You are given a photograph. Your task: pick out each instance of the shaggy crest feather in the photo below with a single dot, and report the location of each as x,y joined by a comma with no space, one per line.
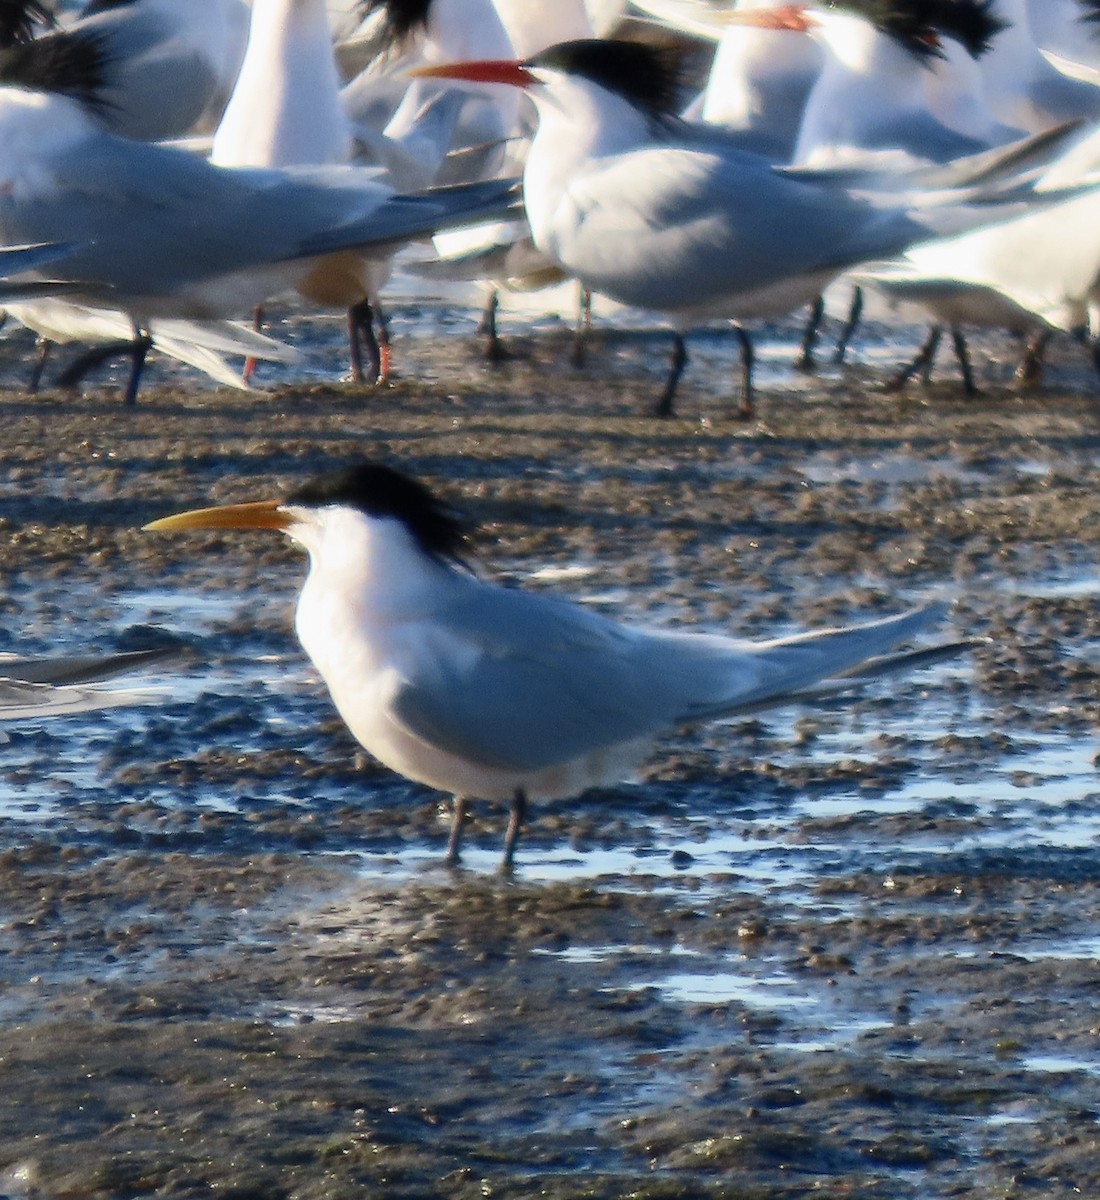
68,64
646,76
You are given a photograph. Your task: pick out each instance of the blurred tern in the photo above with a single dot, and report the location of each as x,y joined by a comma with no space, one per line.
871,95
1035,273
199,344
1021,85
493,693
669,216
158,232
32,687
173,62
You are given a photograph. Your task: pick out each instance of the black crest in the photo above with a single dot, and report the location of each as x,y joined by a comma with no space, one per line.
69,64
919,24
646,76
18,19
1090,11
380,491
401,18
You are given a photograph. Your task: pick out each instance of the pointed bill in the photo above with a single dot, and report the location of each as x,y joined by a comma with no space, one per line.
489,70
792,18
262,514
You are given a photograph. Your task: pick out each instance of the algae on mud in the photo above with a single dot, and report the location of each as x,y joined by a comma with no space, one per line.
849,952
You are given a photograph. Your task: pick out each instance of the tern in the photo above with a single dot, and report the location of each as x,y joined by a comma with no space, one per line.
173,62
494,693
158,232
666,215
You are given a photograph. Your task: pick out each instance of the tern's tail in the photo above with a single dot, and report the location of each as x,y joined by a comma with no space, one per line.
827,662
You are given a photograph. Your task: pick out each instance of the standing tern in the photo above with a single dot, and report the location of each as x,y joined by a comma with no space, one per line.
1034,273
493,693
669,216
158,232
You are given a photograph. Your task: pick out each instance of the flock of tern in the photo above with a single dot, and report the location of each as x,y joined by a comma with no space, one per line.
168,167
186,163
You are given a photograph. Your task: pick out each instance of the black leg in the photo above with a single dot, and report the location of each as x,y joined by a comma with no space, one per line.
458,820
494,347
926,356
137,348
679,361
44,345
805,359
515,823
855,313
142,344
360,333
746,410
962,353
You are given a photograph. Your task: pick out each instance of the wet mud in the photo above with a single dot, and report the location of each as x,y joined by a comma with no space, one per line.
851,951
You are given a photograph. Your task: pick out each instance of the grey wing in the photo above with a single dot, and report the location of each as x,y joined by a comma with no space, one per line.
524,682
696,227
146,219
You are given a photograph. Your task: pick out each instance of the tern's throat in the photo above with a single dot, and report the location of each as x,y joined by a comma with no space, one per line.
366,575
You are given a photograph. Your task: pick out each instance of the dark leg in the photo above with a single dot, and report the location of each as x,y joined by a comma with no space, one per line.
137,349
494,347
1029,374
746,410
458,820
360,333
584,327
142,344
679,361
855,313
44,345
515,823
926,356
805,359
249,368
962,353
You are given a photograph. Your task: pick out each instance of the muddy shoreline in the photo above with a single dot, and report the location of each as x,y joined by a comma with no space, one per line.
853,952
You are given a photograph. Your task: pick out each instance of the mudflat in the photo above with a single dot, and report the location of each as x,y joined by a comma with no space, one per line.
853,951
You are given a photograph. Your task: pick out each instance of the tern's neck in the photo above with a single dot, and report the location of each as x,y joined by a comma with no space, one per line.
533,25
33,127
866,75
371,571
760,78
461,30
579,121
285,109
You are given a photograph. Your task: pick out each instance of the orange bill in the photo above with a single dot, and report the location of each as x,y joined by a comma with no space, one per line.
795,18
495,70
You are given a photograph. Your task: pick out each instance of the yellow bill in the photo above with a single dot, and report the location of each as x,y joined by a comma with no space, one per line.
262,514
